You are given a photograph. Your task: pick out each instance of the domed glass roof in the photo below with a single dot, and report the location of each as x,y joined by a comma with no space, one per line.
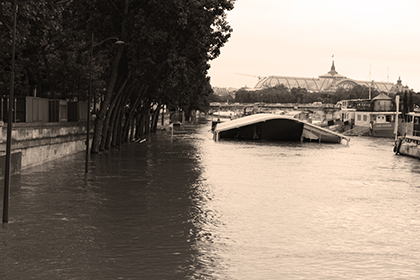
311,84
326,82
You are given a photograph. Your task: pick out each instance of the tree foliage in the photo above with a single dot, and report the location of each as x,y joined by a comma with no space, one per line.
281,94
163,60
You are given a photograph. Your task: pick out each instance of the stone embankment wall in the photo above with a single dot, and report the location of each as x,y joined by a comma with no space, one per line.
36,143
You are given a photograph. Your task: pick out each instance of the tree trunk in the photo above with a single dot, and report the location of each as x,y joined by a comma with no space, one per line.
126,126
109,112
110,131
132,131
143,122
139,127
119,131
147,121
100,118
115,133
155,118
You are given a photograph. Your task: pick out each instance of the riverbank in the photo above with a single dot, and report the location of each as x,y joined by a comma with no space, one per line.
37,143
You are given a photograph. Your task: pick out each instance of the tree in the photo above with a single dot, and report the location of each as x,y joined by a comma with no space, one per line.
38,57
164,59
410,102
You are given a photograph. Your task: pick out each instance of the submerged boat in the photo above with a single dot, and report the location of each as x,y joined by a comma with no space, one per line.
275,128
409,144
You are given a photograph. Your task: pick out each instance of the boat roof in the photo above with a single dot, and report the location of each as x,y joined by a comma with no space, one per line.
382,113
382,96
248,120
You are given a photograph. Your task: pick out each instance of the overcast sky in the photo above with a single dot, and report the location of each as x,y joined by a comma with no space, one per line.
369,39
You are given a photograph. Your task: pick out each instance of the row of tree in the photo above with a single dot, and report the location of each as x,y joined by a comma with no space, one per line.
161,57
281,94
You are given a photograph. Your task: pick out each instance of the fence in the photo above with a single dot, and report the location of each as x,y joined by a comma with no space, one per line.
35,109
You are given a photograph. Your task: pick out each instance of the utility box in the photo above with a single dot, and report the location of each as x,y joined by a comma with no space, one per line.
58,110
31,109
5,109
77,111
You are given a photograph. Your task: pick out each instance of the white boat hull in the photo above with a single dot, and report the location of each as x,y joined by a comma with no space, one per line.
408,146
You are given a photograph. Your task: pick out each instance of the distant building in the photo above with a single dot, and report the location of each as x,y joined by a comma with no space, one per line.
398,87
328,82
224,91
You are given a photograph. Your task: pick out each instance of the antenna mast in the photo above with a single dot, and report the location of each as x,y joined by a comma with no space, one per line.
370,84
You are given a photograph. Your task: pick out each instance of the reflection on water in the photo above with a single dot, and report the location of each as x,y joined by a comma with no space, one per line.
186,207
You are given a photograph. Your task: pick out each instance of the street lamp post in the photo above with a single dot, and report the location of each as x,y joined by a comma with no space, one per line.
7,169
92,45
9,124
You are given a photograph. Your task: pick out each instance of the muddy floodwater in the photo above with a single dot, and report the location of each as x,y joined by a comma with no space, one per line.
182,206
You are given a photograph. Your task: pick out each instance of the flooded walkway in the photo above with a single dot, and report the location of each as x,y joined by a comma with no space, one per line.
187,207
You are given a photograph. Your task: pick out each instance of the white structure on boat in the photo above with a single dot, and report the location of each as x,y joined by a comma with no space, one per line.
378,115
409,143
274,128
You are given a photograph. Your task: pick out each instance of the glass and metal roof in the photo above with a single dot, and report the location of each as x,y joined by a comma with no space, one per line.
326,82
311,84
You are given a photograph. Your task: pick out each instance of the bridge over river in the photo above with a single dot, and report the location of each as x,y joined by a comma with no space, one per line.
320,111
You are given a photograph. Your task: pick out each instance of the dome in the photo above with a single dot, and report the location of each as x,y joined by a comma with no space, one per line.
310,84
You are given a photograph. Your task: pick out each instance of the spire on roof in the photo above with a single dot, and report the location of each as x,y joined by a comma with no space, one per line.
332,71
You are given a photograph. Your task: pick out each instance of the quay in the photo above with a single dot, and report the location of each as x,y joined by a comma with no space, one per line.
36,143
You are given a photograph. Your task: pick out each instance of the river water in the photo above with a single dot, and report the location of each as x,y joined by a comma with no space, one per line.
186,207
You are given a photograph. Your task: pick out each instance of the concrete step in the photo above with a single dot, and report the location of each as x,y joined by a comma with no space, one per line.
357,131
